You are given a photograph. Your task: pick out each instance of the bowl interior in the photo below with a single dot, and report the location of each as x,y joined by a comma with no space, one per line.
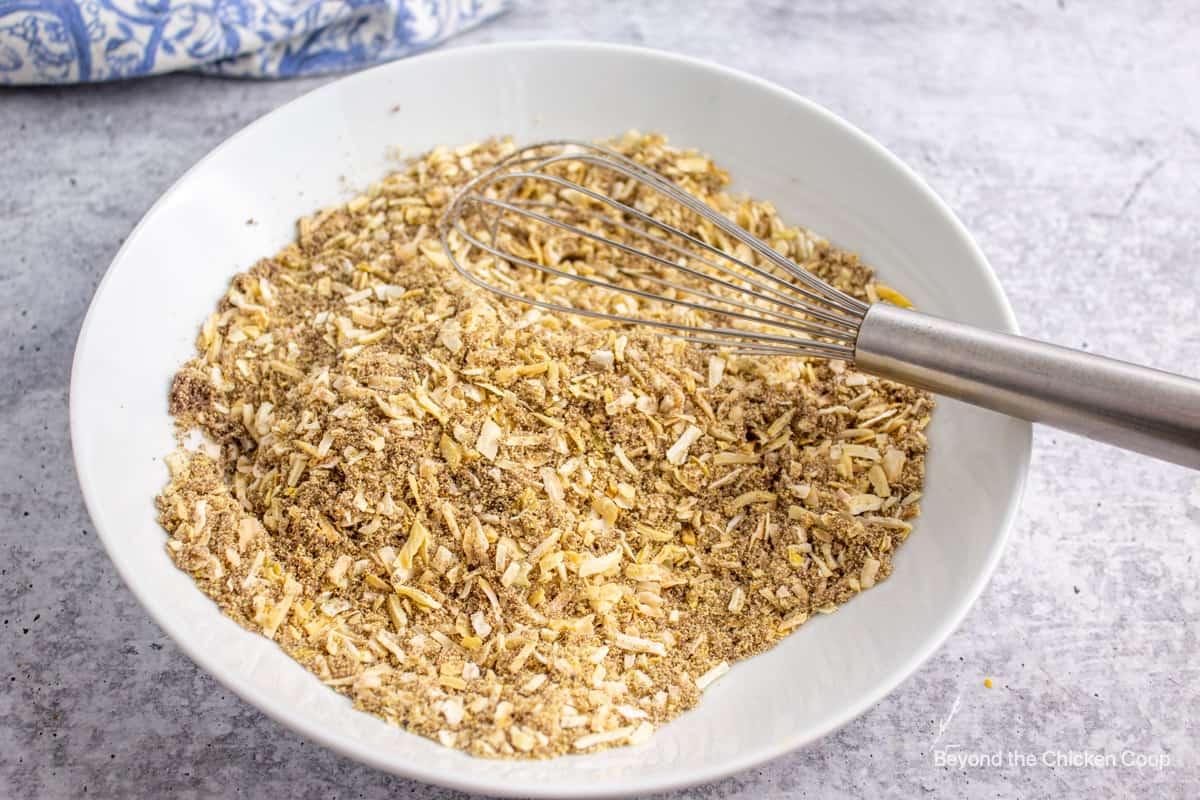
817,170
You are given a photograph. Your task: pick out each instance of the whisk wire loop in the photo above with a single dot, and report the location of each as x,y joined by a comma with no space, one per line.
775,309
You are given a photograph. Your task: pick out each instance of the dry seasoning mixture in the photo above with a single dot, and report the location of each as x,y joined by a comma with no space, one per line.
517,533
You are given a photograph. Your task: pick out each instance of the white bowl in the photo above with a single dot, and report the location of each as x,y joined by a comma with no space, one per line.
818,170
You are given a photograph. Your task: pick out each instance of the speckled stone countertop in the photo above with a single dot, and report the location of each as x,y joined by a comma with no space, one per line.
1067,138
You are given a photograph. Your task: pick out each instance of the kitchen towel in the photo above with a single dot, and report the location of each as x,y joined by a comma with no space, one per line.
77,41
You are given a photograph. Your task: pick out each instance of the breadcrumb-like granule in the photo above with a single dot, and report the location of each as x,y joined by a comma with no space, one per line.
517,533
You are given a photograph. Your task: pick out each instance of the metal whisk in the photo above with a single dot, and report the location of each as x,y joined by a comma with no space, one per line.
529,226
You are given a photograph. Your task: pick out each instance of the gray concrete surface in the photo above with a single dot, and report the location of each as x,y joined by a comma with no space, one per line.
1066,136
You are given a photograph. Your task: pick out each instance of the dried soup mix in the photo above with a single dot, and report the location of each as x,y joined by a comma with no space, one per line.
517,533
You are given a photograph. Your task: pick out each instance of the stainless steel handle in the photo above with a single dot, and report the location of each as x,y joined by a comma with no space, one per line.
1137,408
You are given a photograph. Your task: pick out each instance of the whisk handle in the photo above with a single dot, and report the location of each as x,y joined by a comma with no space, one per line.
1146,410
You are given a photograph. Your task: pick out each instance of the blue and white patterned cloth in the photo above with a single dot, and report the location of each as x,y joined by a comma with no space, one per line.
76,41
